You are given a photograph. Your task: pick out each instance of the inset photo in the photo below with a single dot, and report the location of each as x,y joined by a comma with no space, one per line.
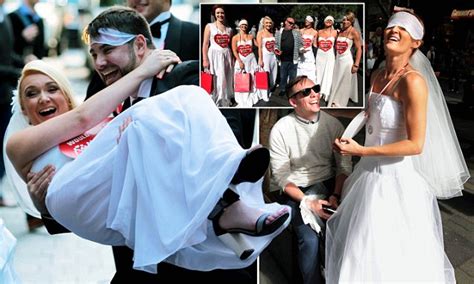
250,53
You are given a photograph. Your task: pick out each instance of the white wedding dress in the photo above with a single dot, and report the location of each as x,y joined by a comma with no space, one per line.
154,189
388,226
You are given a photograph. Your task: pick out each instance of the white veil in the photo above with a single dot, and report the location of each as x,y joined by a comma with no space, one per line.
18,121
441,162
358,28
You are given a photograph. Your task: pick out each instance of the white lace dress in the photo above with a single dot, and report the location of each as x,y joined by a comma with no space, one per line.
220,65
154,189
344,82
306,62
270,64
325,59
245,51
388,227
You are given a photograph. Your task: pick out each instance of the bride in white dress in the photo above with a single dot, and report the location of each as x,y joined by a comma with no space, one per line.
388,226
152,177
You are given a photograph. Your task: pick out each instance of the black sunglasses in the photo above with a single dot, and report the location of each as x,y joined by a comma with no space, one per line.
291,23
306,92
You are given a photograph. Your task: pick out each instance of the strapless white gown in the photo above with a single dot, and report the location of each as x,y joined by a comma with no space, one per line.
388,227
154,189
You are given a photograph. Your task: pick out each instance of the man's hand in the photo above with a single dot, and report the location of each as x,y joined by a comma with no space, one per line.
38,187
30,32
317,208
333,202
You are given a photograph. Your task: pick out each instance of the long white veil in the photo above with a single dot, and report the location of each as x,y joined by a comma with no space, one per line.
441,162
18,121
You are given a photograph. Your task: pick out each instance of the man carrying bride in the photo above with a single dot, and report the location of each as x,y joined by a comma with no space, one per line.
154,186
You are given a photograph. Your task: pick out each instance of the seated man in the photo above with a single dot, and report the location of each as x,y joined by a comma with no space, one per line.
303,164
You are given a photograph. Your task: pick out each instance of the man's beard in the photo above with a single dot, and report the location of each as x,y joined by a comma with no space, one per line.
132,60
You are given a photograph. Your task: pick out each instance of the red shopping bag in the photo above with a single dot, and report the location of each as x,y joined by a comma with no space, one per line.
242,82
206,81
261,80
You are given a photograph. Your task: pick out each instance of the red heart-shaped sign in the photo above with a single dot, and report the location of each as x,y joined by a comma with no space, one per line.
73,147
244,49
341,46
222,40
307,42
270,45
325,45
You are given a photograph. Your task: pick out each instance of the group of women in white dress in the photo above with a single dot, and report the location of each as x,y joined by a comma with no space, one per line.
219,44
333,68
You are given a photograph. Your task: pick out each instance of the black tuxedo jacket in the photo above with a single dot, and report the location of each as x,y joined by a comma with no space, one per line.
183,38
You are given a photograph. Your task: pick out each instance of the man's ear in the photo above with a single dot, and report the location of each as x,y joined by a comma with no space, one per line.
140,45
292,101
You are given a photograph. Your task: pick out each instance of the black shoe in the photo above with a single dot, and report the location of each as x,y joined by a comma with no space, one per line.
34,223
253,166
234,241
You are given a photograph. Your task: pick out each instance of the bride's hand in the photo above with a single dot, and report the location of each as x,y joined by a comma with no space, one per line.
124,126
158,62
347,146
37,185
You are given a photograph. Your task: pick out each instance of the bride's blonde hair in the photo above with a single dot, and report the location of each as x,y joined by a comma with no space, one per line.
39,66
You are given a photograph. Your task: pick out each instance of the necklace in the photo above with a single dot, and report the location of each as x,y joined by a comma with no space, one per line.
345,33
399,72
393,78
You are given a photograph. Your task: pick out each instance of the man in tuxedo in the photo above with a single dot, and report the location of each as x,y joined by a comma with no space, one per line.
168,31
115,53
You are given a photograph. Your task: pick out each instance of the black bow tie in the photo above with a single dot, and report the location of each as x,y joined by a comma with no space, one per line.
156,28
137,100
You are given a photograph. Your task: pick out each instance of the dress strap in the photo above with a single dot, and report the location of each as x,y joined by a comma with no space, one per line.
372,85
401,77
386,85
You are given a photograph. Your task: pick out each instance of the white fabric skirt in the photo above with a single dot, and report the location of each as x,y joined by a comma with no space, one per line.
344,82
154,189
388,228
324,70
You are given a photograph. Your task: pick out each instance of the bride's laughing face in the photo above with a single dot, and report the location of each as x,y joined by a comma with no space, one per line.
397,40
41,98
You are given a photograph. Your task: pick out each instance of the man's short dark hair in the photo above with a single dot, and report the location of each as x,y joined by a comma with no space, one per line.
123,19
293,82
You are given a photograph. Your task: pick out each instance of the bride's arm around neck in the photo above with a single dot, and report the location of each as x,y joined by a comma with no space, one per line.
26,145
